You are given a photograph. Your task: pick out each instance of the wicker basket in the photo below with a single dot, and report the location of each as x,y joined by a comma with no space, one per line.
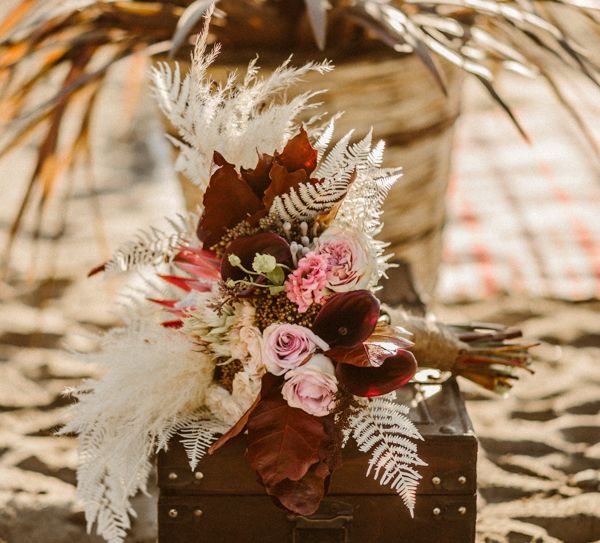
399,98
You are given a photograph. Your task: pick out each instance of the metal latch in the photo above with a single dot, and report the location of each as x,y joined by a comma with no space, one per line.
330,524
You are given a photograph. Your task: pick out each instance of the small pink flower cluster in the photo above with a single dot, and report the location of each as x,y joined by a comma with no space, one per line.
342,262
310,383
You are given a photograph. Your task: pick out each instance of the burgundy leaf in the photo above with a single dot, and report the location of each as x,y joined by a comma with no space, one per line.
269,382
298,154
282,181
395,372
246,248
304,496
227,202
347,319
283,442
258,178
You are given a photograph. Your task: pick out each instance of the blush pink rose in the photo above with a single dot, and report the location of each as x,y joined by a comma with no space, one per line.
350,262
287,346
306,284
312,387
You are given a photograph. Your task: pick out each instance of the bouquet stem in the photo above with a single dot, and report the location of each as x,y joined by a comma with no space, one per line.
481,352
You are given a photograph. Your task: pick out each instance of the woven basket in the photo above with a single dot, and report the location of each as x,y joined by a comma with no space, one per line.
398,97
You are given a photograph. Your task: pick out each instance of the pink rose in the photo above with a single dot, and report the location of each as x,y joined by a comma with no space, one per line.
350,262
312,387
306,284
287,346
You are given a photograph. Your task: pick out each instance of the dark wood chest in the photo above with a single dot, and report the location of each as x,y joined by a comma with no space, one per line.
223,501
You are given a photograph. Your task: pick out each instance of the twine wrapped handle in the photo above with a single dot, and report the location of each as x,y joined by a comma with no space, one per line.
480,352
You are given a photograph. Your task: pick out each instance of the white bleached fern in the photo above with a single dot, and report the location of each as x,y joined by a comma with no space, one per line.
197,432
152,379
236,118
382,428
155,246
340,168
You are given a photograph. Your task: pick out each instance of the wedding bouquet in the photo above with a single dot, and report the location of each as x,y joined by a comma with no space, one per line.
267,322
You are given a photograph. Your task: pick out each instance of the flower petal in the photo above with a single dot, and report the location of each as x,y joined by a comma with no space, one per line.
347,319
395,372
246,248
372,353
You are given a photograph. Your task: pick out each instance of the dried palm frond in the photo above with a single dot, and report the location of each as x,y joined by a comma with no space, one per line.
79,41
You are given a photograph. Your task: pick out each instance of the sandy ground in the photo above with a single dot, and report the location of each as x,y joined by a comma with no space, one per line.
539,462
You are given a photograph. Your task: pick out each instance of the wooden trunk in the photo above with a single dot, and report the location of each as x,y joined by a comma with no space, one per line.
223,501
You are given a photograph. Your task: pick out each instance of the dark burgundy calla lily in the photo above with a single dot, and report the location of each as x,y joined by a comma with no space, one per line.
246,248
347,319
368,382
370,354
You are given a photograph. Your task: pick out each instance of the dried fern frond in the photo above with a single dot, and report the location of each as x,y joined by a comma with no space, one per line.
382,428
238,118
152,247
198,434
121,423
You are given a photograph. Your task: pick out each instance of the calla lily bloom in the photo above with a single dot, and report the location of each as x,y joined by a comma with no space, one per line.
246,248
370,360
368,382
347,319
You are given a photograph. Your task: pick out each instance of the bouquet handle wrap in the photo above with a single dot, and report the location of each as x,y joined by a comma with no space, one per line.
434,345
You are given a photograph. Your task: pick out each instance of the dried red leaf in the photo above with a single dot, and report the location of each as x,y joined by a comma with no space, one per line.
227,202
298,154
246,248
304,496
282,181
347,319
258,178
97,269
283,442
368,382
269,382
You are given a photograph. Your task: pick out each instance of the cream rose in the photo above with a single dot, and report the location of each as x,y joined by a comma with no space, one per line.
286,346
350,261
312,387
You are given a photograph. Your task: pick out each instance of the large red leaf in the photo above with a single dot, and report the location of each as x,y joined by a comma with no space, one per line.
269,382
283,442
258,178
227,202
282,181
347,319
298,154
304,496
395,372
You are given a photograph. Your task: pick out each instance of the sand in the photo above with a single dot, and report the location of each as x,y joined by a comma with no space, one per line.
539,461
